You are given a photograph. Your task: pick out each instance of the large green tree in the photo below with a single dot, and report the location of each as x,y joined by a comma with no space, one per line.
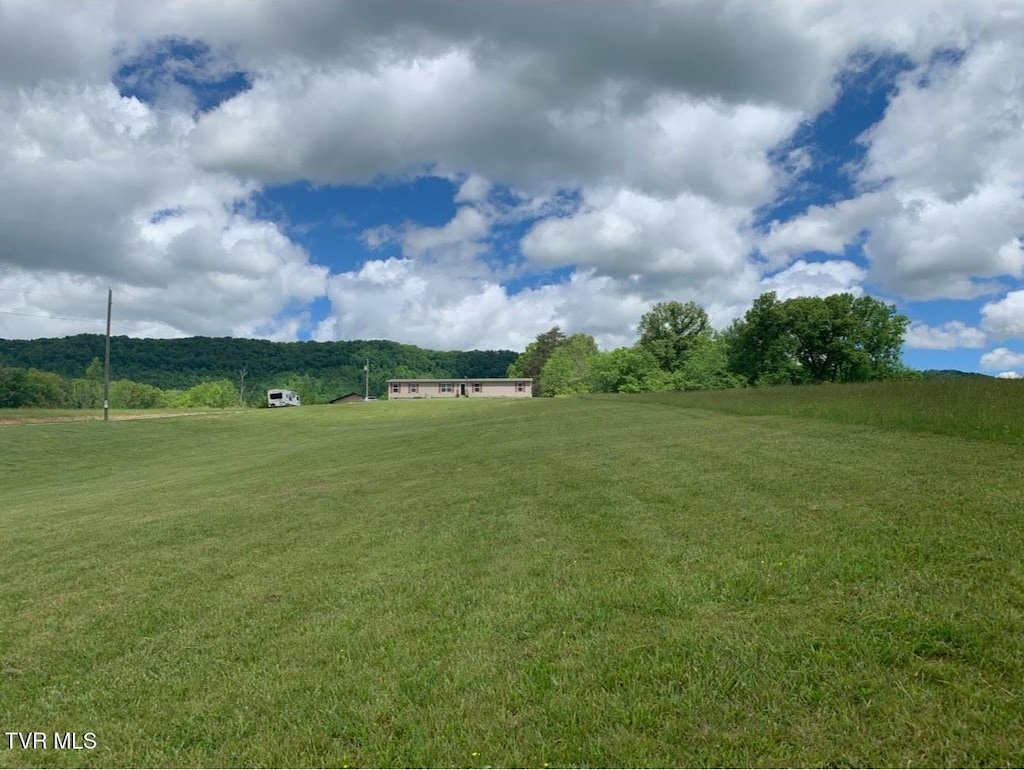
707,365
530,362
627,370
839,338
29,387
125,394
567,369
45,389
14,387
95,372
215,393
760,346
670,331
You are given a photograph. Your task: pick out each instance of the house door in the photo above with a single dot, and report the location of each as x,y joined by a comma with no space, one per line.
462,389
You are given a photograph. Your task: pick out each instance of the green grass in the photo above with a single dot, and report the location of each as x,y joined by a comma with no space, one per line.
601,581
34,415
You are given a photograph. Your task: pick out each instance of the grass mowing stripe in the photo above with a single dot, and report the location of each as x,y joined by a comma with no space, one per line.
577,582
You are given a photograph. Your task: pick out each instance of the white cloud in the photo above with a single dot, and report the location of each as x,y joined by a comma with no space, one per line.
951,335
460,238
473,189
1002,358
825,228
932,248
1005,318
1010,376
709,48
423,304
38,44
940,214
686,241
959,179
978,138
447,115
459,241
816,279
98,192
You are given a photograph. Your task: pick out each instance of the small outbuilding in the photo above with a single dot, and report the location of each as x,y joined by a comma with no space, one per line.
484,387
348,398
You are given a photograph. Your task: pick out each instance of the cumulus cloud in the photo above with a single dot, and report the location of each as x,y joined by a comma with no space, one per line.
38,45
473,189
949,336
932,249
445,114
687,240
461,238
1005,318
938,210
978,137
98,192
419,303
1002,358
959,179
828,229
817,279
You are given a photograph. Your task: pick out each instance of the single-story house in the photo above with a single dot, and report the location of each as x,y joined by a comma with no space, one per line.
481,387
348,398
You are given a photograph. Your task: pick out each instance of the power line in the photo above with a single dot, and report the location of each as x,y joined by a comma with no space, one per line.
119,325
53,317
131,329
46,294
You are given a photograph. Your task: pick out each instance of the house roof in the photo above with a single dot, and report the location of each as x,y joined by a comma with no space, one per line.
462,379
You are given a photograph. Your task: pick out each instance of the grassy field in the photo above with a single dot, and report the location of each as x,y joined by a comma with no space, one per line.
759,578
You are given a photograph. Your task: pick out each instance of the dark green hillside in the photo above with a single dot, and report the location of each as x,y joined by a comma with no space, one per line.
181,363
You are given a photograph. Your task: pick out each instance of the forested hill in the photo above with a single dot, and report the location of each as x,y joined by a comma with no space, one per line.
182,363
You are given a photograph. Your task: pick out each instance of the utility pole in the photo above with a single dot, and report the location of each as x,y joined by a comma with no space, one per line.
366,369
106,361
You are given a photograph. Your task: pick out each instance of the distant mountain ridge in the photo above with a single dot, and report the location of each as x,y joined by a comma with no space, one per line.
952,374
184,362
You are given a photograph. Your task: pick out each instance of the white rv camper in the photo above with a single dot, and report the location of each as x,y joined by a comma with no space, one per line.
280,397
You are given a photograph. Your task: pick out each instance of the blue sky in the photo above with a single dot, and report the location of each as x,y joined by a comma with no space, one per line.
467,175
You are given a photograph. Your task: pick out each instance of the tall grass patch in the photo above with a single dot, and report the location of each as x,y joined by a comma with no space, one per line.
990,409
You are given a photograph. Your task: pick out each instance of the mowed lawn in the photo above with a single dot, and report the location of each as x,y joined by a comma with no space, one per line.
595,581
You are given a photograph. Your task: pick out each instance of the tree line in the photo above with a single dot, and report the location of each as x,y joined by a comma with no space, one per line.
224,371
839,338
184,362
35,388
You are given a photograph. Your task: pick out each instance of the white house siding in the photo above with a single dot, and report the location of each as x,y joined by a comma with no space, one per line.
481,388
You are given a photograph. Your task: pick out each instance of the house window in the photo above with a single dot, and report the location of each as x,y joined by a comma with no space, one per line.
520,387
396,387
446,387
477,387
414,387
